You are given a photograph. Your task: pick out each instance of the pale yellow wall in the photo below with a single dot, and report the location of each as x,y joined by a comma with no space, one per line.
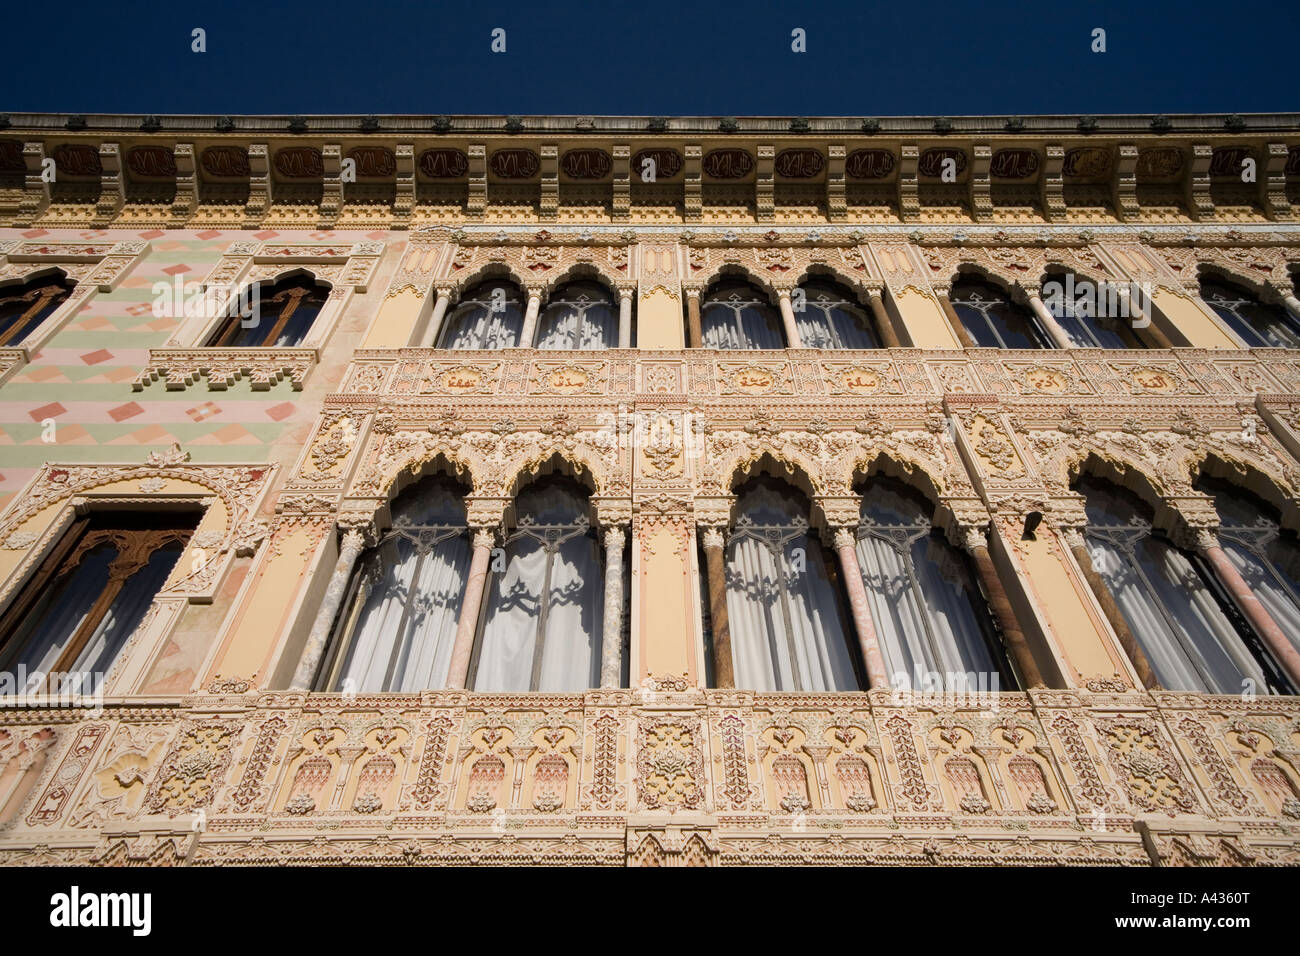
396,321
924,319
660,322
1191,320
667,634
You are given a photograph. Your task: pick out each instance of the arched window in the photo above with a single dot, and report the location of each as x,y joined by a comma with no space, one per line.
1264,554
735,315
832,319
1175,608
541,627
1101,319
91,593
279,315
788,627
934,628
397,625
25,306
992,319
1259,325
580,315
489,316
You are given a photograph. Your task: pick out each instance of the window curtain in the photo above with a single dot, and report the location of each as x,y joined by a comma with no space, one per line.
492,317
580,316
830,320
740,318
401,622
1260,325
542,630
787,627
930,619
1166,600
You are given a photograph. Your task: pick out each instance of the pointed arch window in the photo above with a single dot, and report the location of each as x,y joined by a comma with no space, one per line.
1266,555
541,625
1259,325
933,625
832,319
1188,629
281,315
91,593
581,315
397,625
1079,317
489,316
735,315
23,307
789,630
992,319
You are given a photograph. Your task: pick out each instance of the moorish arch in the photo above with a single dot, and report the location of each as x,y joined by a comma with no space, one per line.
738,272
441,461
903,464
545,463
498,270
592,271
1258,480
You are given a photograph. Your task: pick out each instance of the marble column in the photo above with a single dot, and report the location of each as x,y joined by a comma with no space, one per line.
958,326
884,325
430,339
977,544
1049,323
693,334
792,340
349,550
1127,640
529,331
625,319
611,649
466,626
1284,652
1292,304
846,543
715,559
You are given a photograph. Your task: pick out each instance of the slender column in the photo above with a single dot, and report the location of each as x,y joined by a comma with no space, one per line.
467,624
1207,543
884,325
846,547
1000,605
723,674
792,339
1127,639
435,320
611,651
309,663
693,327
1053,328
625,319
1292,304
958,327
530,320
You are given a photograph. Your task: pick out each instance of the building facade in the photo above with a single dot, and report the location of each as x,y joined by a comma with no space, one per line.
424,490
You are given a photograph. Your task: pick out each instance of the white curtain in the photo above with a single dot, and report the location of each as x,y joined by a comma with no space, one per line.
830,321
485,321
553,584
740,321
787,631
1190,642
580,317
1271,568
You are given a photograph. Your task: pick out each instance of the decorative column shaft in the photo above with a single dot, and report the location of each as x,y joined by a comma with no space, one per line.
430,339
463,646
529,331
958,326
884,325
625,319
792,339
693,327
1050,325
1292,304
846,547
349,549
723,673
1127,639
611,651
1000,605
1283,650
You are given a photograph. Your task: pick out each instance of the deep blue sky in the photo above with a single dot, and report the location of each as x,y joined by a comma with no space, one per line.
653,57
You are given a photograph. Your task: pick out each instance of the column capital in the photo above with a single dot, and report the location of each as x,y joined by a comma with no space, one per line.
693,289
1073,537
615,535
626,290
973,537
713,537
844,537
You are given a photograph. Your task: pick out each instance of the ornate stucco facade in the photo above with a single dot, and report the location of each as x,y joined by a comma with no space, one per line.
294,454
